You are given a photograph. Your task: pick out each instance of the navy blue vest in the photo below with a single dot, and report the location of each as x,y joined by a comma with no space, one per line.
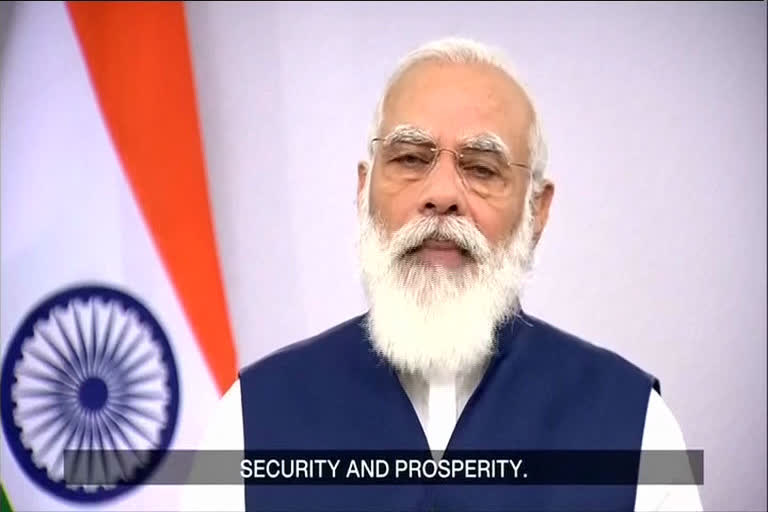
544,390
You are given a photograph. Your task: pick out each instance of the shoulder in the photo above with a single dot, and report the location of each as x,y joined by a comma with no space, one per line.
315,352
570,352
662,430
225,428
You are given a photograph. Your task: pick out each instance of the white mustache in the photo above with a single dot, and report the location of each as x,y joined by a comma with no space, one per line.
449,228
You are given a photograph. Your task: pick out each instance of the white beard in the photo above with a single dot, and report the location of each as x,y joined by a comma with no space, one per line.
429,319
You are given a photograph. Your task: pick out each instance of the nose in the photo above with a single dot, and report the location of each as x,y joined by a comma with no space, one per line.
443,192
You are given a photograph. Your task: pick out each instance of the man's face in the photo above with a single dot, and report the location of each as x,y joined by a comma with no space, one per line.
453,104
445,250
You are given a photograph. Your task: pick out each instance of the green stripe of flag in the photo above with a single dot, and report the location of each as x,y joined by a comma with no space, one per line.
5,504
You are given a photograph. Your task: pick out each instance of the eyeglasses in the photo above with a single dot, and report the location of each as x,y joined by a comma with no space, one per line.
488,172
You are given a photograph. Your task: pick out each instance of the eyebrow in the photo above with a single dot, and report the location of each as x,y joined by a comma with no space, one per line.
486,141
409,134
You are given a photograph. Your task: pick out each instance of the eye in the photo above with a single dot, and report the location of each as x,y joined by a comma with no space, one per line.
412,160
482,172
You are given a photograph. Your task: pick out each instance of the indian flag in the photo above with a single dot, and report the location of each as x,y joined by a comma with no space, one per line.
113,322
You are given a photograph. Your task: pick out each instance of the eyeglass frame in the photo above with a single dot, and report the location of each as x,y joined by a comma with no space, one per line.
457,155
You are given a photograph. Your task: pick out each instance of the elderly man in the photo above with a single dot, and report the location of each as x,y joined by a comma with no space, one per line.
452,202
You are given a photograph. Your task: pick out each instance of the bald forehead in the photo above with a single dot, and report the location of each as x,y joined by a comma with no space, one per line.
458,101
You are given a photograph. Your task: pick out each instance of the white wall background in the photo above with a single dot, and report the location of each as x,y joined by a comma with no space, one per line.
656,245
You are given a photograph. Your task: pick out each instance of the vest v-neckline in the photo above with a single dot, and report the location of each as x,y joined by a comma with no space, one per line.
504,337
412,425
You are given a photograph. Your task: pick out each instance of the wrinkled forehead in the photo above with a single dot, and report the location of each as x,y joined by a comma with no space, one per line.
455,103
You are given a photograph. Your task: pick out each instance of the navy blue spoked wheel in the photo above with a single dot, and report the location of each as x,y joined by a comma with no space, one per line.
89,369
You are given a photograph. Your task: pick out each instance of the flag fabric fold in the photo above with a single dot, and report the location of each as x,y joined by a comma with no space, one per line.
114,322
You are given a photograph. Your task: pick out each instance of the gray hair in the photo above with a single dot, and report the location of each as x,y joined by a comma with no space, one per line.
466,51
